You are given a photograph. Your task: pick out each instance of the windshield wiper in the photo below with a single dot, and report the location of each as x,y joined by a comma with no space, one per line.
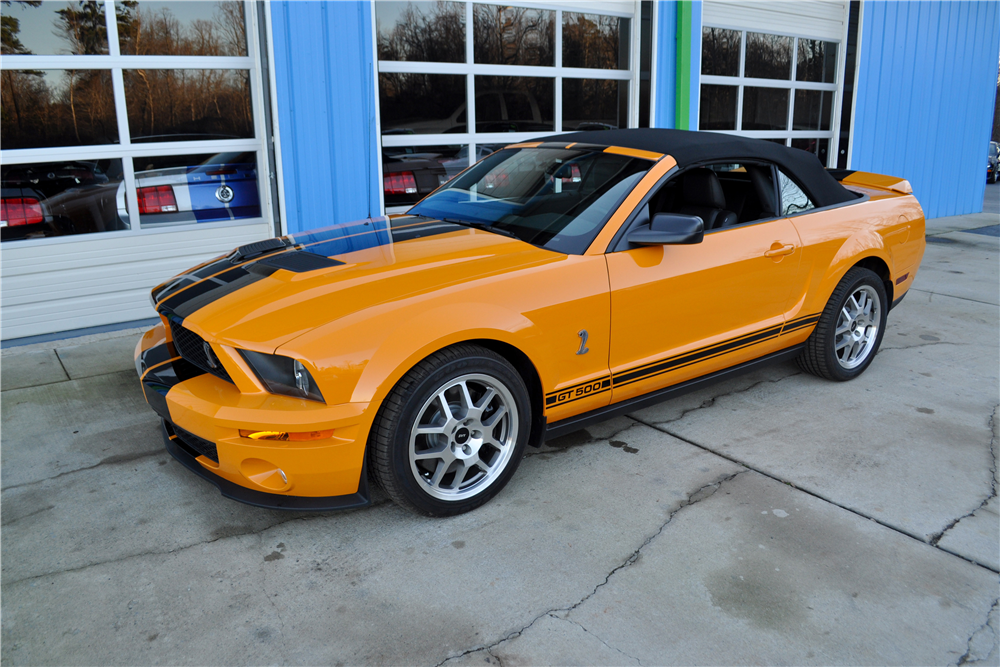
482,226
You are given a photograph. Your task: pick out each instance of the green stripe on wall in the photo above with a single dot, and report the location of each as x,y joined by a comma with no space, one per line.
683,106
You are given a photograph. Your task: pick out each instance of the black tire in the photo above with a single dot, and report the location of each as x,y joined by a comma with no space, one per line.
418,394
820,356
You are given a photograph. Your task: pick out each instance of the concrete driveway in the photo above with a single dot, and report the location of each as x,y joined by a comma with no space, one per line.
776,518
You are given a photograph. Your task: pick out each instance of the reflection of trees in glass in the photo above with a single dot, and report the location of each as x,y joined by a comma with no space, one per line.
426,35
793,199
817,61
513,35
188,102
144,31
593,40
57,108
10,27
720,52
768,56
421,103
717,109
594,101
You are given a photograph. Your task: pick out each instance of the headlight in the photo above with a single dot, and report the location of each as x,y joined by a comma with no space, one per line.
283,375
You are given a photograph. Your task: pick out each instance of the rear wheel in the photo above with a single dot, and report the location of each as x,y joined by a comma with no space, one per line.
452,432
850,330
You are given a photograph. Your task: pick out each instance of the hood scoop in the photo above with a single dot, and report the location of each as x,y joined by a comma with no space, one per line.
251,250
296,261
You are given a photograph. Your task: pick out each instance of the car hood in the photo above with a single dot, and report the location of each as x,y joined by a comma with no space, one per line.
264,301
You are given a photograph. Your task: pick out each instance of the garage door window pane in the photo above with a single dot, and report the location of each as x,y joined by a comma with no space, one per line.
819,147
194,28
768,56
594,104
595,41
422,103
54,28
515,104
817,61
62,198
513,35
717,109
812,109
765,108
720,52
188,104
46,108
423,32
181,189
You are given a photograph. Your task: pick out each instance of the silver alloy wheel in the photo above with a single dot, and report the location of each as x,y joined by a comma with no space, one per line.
857,327
463,437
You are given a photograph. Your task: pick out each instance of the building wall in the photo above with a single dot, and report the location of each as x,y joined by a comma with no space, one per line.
927,76
678,63
325,87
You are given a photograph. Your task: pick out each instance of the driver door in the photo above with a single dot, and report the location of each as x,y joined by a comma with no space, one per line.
682,311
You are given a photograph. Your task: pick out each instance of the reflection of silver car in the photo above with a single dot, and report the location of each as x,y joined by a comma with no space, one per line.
461,160
221,187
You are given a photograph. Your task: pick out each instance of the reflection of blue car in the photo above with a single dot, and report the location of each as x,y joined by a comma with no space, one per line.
222,187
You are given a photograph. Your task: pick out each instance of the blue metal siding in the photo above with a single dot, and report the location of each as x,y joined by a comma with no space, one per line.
326,112
927,75
666,64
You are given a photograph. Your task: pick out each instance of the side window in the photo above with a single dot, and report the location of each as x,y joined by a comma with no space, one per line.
793,200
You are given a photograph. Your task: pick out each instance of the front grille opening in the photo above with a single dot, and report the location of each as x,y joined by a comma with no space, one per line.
200,445
193,348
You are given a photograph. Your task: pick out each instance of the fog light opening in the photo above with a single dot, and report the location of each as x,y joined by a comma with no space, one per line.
286,436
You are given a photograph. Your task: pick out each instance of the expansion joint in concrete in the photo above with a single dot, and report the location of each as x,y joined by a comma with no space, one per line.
819,496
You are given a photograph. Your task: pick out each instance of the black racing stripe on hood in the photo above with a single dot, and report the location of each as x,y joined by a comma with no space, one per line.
185,303
182,298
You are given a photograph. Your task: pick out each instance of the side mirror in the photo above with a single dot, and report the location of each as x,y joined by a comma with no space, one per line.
669,229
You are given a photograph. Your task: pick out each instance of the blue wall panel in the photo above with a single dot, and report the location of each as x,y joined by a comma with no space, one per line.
325,87
927,77
666,64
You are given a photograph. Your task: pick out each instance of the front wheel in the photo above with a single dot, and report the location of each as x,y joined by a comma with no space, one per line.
850,330
452,432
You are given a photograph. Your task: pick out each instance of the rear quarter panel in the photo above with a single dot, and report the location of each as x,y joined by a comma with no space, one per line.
887,226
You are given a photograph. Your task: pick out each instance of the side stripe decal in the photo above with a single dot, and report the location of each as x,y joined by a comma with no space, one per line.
651,369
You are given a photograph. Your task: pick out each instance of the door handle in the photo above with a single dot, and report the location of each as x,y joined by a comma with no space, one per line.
779,250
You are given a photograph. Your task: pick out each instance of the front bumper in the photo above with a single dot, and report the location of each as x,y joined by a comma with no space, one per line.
203,417
188,457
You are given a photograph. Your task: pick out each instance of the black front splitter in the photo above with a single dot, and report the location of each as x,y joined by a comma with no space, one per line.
274,501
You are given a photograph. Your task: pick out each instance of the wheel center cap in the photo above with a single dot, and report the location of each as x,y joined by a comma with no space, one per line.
462,436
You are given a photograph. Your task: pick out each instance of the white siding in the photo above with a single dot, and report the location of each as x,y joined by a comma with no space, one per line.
89,280
824,19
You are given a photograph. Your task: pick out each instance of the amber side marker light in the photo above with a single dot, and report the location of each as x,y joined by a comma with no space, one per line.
284,435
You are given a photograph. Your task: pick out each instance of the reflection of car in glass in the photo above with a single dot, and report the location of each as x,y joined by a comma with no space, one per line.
496,111
993,163
55,199
555,284
461,160
220,187
409,177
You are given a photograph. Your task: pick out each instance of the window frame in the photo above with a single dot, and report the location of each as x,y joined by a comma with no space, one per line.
127,151
791,85
470,70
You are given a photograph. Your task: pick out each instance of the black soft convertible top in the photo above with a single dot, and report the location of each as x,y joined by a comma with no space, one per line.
690,148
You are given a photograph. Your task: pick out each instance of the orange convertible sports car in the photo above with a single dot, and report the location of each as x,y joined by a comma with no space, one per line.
553,284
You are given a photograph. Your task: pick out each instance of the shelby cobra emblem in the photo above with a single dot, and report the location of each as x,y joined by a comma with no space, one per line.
224,194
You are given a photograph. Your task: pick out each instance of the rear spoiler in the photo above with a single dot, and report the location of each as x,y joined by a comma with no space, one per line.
870,180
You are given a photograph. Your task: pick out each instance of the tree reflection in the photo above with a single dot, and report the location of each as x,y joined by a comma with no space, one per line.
594,40
513,35
768,56
437,35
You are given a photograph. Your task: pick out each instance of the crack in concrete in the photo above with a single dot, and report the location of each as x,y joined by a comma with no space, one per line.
711,401
108,460
929,344
993,482
819,496
613,648
969,648
697,496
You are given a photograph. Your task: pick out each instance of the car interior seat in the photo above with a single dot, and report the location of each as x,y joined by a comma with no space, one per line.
703,196
760,177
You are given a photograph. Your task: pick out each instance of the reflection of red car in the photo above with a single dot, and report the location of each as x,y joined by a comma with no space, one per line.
56,199
408,179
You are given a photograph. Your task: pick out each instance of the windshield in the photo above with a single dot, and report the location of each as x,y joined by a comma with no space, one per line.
555,198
